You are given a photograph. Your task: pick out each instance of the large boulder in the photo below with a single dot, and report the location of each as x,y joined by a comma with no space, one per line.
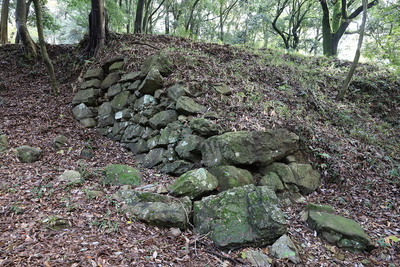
239,217
340,231
27,154
194,183
249,148
155,209
118,174
231,176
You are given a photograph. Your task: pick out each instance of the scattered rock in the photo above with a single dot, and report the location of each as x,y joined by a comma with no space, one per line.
285,248
27,154
239,217
70,176
340,231
60,141
258,258
3,142
118,174
222,88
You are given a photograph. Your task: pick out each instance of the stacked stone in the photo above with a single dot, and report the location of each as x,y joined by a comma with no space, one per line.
160,126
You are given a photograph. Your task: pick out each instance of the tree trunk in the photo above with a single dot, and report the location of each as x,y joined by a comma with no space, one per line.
346,83
45,55
4,22
22,29
139,16
97,28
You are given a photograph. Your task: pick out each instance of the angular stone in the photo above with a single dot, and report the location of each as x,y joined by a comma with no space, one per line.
138,147
88,97
106,120
105,108
59,141
110,80
177,167
153,158
144,102
94,83
231,176
70,176
114,90
106,65
188,106
189,148
160,61
88,122
151,83
240,217
307,179
285,248
222,88
3,142
194,184
94,74
125,114
339,231
81,111
176,91
120,101
170,134
133,131
134,86
272,180
163,118
204,127
249,148
155,209
118,174
130,77
258,258
27,154
117,66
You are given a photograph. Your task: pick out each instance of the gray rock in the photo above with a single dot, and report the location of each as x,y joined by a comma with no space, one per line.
70,176
104,108
272,180
27,154
138,147
94,74
169,135
177,167
189,148
248,148
188,106
155,209
133,131
88,97
176,91
239,217
222,88
3,142
87,153
160,61
283,171
94,83
231,176
204,127
59,141
106,120
114,90
106,65
116,66
258,258
130,77
81,111
144,102
110,80
163,118
118,174
120,101
119,127
153,158
151,83
194,183
307,179
285,248
133,87
88,122
339,231
125,114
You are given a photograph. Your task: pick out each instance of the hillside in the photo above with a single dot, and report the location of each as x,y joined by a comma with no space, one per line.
353,143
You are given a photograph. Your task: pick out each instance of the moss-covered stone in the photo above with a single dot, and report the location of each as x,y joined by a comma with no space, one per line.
118,174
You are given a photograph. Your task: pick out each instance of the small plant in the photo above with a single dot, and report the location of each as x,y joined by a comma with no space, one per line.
16,209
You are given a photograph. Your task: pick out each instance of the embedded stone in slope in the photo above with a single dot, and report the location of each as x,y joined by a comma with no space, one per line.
151,83
230,177
249,148
88,97
27,154
81,111
188,106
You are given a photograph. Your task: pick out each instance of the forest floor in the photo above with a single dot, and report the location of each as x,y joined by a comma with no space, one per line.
353,143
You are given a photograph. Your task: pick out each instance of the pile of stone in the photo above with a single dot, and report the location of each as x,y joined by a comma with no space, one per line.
161,127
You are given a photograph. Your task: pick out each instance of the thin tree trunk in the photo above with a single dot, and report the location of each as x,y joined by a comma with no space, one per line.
23,33
97,28
346,83
139,16
4,22
45,55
